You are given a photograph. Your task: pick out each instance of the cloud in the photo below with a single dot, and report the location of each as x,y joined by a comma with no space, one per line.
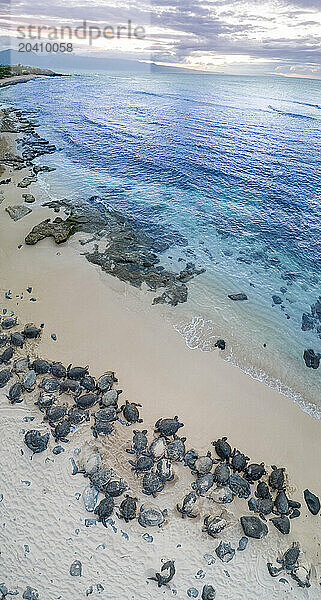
182,31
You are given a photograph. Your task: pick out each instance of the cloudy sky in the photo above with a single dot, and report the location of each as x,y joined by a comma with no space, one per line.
225,36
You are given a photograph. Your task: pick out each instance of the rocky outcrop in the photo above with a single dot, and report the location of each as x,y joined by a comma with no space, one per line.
59,229
18,212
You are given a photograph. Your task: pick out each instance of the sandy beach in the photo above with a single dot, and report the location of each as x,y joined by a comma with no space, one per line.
109,325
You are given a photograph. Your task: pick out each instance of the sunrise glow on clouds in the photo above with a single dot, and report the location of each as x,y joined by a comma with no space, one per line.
232,36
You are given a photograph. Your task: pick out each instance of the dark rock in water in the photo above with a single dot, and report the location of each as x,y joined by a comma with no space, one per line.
17,339
5,375
225,552
282,524
239,296
253,527
307,322
294,504
243,543
220,344
312,501
76,569
53,336
30,594
277,299
208,592
311,359
295,513
58,450
59,229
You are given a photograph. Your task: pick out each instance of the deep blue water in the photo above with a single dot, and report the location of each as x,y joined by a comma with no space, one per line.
231,163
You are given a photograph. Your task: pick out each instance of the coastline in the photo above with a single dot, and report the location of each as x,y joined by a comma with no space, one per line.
108,323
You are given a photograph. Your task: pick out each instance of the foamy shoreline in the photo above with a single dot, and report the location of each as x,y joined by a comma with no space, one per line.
109,324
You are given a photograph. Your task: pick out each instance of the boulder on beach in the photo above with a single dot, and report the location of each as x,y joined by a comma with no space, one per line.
239,296
18,212
26,181
312,501
253,527
282,524
59,229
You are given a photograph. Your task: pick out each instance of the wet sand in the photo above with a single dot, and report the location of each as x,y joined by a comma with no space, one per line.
110,325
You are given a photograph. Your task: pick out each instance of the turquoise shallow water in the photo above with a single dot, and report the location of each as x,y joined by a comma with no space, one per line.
229,169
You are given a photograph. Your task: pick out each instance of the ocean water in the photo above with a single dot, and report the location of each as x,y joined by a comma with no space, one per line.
227,167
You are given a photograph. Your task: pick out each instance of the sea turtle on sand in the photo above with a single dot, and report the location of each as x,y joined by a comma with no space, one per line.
100,478
128,508
262,490
187,507
214,525
21,365
276,478
5,376
70,386
7,355
176,449
239,486
9,322
203,483
254,472
35,441
44,401
55,413
15,393
238,461
31,332
29,380
40,366
58,370
49,384
290,557
151,516
152,484
106,381
106,415
77,416
203,464
168,427
88,383
164,470
115,487
222,448
158,447
102,428
142,465
17,339
77,373
110,398
86,400
262,506
131,412
165,579
105,509
61,431
140,443
190,458
222,474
